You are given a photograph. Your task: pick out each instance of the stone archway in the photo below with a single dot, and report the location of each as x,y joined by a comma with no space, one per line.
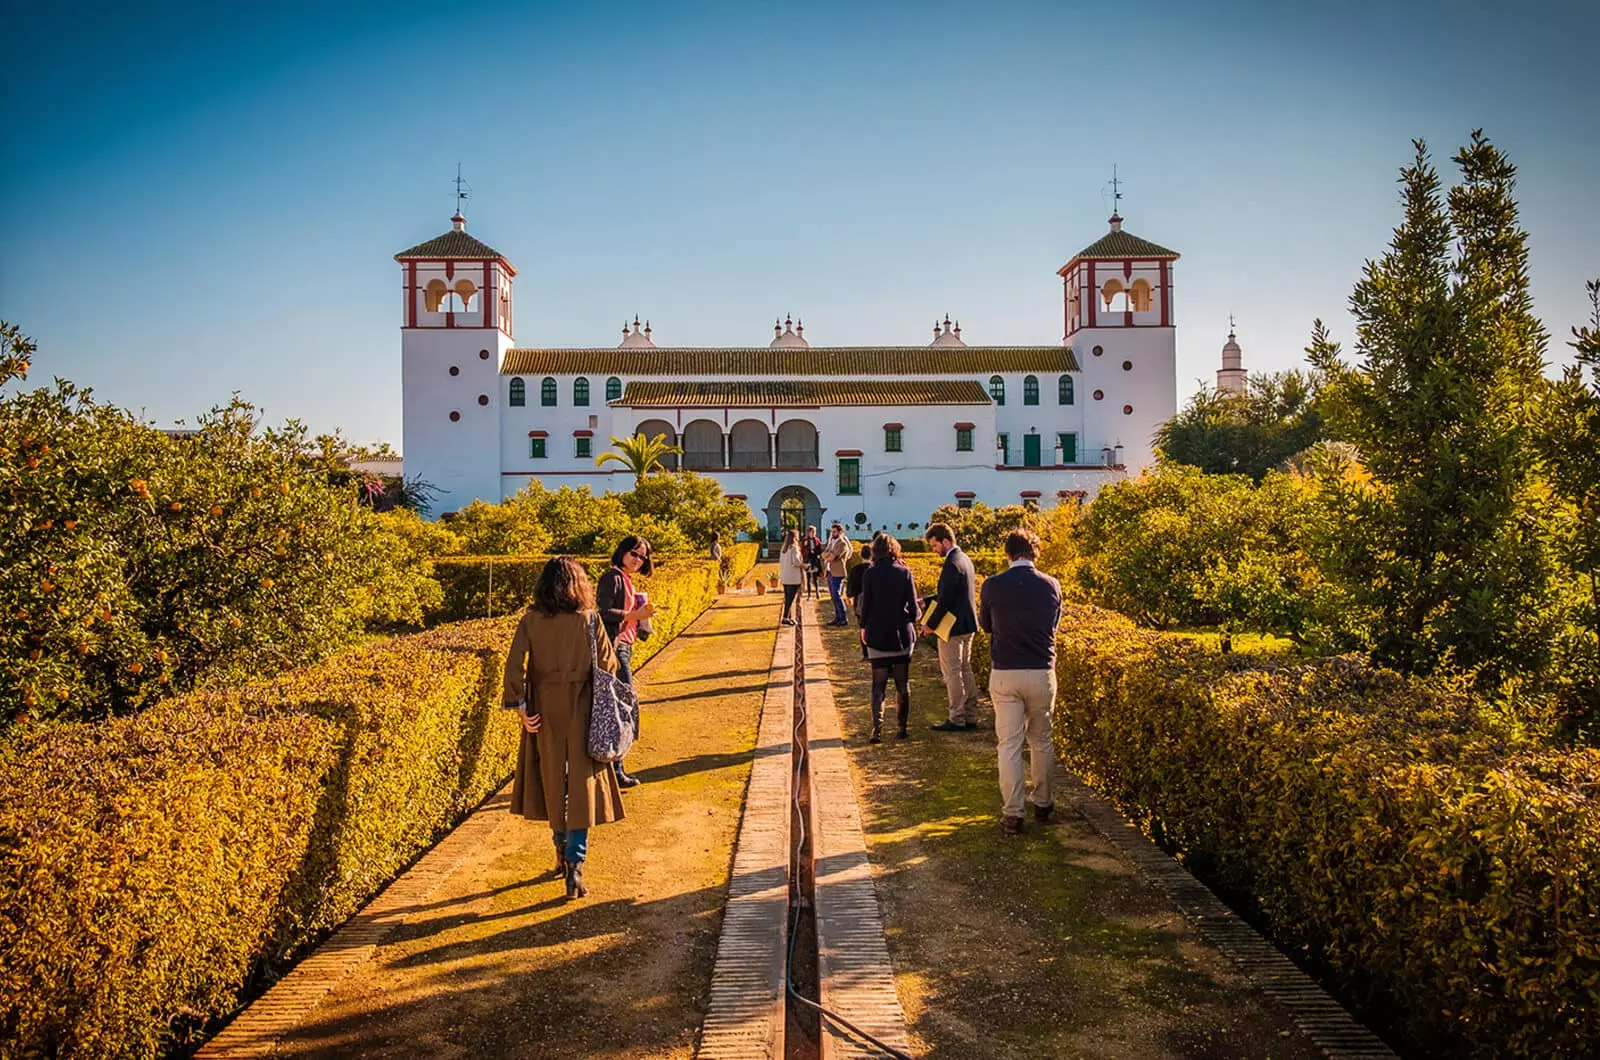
793,506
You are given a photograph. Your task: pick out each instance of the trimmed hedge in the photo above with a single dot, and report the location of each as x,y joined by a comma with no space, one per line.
467,580
153,865
1448,879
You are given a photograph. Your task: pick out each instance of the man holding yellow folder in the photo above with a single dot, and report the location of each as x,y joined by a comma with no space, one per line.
954,619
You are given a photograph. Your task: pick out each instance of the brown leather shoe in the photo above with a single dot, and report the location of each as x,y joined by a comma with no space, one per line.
1042,813
1011,825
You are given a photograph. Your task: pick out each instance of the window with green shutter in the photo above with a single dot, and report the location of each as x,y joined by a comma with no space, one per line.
849,475
997,389
1002,442
891,439
519,393
613,388
963,439
1030,390
1069,447
547,393
580,392
580,448
536,448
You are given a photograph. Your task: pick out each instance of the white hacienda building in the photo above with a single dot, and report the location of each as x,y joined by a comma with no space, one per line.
872,436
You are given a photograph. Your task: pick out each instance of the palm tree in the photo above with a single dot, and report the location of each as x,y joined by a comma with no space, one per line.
639,454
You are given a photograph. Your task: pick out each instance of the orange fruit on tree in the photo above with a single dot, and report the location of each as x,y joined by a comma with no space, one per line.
283,487
177,506
216,509
136,668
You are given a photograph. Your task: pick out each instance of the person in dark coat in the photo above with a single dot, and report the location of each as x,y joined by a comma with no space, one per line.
549,683
621,609
852,580
957,597
889,613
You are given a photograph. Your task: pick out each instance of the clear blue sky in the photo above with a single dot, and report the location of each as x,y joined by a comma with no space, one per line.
207,199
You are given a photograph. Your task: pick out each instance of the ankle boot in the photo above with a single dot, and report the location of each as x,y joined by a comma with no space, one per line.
575,887
877,735
561,863
905,713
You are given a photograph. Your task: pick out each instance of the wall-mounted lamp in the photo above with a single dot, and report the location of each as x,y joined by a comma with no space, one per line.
891,487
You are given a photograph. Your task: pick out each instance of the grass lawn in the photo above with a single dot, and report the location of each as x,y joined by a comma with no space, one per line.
1046,944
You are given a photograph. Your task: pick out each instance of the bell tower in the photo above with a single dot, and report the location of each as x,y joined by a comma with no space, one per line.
1119,322
455,330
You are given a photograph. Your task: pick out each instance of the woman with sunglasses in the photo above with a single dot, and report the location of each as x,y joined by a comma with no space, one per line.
621,612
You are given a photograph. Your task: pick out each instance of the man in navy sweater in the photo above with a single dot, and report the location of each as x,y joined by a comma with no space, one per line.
1020,610
957,597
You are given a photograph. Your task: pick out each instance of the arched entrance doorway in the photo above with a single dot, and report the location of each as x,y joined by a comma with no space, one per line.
792,507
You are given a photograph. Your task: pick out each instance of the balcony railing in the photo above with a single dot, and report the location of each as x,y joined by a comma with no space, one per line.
702,459
797,458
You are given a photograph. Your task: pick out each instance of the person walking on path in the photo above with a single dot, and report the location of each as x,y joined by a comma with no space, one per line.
549,682
889,614
956,596
852,587
716,557
791,572
621,611
811,551
836,554
1020,609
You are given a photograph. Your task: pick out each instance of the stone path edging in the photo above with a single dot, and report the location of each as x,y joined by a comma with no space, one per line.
255,1031
855,977
745,1018
1322,1020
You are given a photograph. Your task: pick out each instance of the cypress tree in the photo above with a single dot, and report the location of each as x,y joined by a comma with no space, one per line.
1441,406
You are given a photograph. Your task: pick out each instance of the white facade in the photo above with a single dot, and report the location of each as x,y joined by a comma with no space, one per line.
874,437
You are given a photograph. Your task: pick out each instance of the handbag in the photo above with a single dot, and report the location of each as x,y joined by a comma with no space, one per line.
613,709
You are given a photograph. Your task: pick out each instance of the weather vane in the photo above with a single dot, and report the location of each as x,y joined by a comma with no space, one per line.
1116,191
463,189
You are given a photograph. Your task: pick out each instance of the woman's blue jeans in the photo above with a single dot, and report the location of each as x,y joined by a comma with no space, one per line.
573,844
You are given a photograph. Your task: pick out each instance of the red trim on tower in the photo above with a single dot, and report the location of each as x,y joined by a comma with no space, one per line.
1127,269
486,298
411,294
1166,294
1094,298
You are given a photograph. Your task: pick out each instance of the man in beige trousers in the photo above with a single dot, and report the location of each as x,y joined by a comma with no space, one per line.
956,596
1020,610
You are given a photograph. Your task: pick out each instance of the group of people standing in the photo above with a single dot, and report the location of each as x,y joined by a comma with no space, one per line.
1020,608
804,562
571,628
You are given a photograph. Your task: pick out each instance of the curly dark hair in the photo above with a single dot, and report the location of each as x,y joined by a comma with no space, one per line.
563,588
885,547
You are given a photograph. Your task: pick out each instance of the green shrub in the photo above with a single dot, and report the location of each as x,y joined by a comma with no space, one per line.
1445,873
138,564
153,863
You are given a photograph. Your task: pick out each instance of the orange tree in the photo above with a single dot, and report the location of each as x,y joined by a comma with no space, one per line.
138,563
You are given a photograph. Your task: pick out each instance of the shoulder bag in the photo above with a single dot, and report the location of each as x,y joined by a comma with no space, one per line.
613,709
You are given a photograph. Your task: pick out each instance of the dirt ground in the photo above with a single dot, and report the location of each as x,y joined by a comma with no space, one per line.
1043,945
499,964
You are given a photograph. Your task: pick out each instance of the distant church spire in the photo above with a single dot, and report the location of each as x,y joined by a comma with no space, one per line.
1232,377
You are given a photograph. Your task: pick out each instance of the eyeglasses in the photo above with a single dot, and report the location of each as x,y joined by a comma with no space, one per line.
640,556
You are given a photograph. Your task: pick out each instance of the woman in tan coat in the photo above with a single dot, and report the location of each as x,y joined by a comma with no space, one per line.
549,683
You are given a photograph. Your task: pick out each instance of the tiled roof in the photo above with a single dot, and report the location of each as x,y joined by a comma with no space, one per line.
1121,245
747,361
797,393
452,244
